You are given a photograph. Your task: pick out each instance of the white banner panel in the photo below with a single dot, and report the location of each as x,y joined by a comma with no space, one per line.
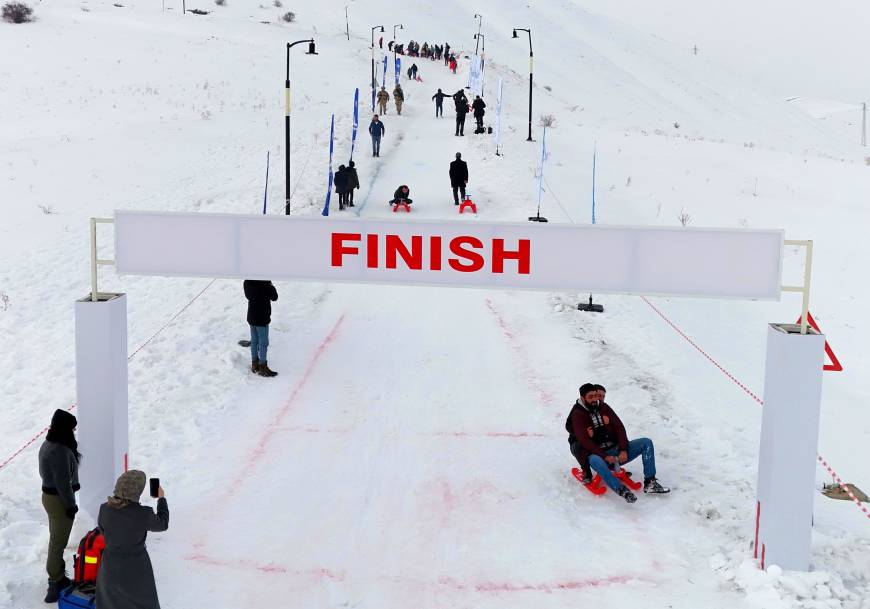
725,263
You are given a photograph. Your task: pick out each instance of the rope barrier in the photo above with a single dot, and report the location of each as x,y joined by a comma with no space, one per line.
758,400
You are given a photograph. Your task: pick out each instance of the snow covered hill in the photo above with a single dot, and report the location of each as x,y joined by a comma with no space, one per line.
412,451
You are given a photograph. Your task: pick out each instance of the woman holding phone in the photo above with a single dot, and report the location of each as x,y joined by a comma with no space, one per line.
126,579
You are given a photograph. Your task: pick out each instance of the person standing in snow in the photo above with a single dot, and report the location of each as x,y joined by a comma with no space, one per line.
446,53
461,110
383,98
597,436
458,177
376,130
59,469
399,98
453,64
126,579
439,103
260,295
413,71
352,182
478,106
340,179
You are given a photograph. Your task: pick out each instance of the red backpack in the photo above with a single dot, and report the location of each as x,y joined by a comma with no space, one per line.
87,561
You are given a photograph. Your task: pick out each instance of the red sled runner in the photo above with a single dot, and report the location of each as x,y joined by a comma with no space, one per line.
598,488
402,205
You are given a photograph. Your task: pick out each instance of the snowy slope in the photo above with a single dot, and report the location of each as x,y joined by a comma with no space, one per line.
412,451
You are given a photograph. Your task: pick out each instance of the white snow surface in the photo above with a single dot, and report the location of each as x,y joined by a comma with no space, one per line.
411,453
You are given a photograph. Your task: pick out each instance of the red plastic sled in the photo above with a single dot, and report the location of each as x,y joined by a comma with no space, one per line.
405,206
469,204
596,487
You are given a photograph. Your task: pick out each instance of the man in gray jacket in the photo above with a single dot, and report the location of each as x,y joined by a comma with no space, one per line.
59,469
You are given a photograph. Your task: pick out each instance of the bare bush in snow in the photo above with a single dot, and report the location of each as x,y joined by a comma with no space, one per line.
278,4
289,17
684,218
46,209
4,301
17,12
547,120
220,2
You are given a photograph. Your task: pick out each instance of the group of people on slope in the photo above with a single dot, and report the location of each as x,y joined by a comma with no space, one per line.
346,181
426,51
126,578
462,107
384,98
597,439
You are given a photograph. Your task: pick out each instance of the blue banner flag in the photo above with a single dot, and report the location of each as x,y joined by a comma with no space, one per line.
331,148
384,76
398,68
355,122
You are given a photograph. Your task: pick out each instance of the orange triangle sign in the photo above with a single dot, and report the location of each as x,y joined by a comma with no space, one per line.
835,365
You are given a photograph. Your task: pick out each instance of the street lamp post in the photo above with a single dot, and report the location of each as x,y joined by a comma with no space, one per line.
479,24
311,51
346,23
531,75
401,27
374,82
482,38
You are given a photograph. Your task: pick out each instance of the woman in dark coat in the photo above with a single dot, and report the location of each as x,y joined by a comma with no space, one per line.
126,578
59,469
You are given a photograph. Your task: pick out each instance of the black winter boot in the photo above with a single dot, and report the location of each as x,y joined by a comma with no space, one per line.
627,495
652,486
264,370
55,588
255,365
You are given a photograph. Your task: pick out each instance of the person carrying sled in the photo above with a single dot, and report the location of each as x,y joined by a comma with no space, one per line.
399,98
458,177
478,106
439,103
376,130
352,182
599,442
59,459
260,295
383,98
340,179
126,577
401,195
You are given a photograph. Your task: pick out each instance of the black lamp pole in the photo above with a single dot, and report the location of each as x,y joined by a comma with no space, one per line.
401,27
531,75
479,23
374,83
346,23
311,51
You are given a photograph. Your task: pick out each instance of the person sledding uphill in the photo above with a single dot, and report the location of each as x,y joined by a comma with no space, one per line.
599,442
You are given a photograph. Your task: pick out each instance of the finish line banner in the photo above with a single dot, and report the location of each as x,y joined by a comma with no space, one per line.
723,263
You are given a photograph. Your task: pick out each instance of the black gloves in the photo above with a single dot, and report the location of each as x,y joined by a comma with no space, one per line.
71,512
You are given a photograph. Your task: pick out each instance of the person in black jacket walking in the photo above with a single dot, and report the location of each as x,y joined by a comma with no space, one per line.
376,130
340,180
260,295
352,183
126,578
458,177
478,106
59,469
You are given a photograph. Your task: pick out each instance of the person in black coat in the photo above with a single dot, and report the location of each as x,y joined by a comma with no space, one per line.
458,177
352,183
376,130
260,295
126,577
59,469
340,179
439,103
478,106
401,195
461,110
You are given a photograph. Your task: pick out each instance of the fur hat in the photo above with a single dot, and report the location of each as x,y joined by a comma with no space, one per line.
130,485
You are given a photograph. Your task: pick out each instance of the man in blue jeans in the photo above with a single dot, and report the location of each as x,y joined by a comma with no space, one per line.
260,295
376,129
598,441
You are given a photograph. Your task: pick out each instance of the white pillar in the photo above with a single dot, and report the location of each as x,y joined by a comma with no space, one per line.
101,388
789,442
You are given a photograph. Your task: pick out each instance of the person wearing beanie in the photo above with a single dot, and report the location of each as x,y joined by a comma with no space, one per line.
352,182
260,295
59,469
126,579
458,177
599,442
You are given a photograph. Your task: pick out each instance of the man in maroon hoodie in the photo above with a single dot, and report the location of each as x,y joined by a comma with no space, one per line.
598,441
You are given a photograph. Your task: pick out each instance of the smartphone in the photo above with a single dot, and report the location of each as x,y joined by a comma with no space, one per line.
155,486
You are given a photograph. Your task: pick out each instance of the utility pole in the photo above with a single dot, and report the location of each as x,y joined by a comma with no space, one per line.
374,80
479,23
311,51
346,23
531,75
